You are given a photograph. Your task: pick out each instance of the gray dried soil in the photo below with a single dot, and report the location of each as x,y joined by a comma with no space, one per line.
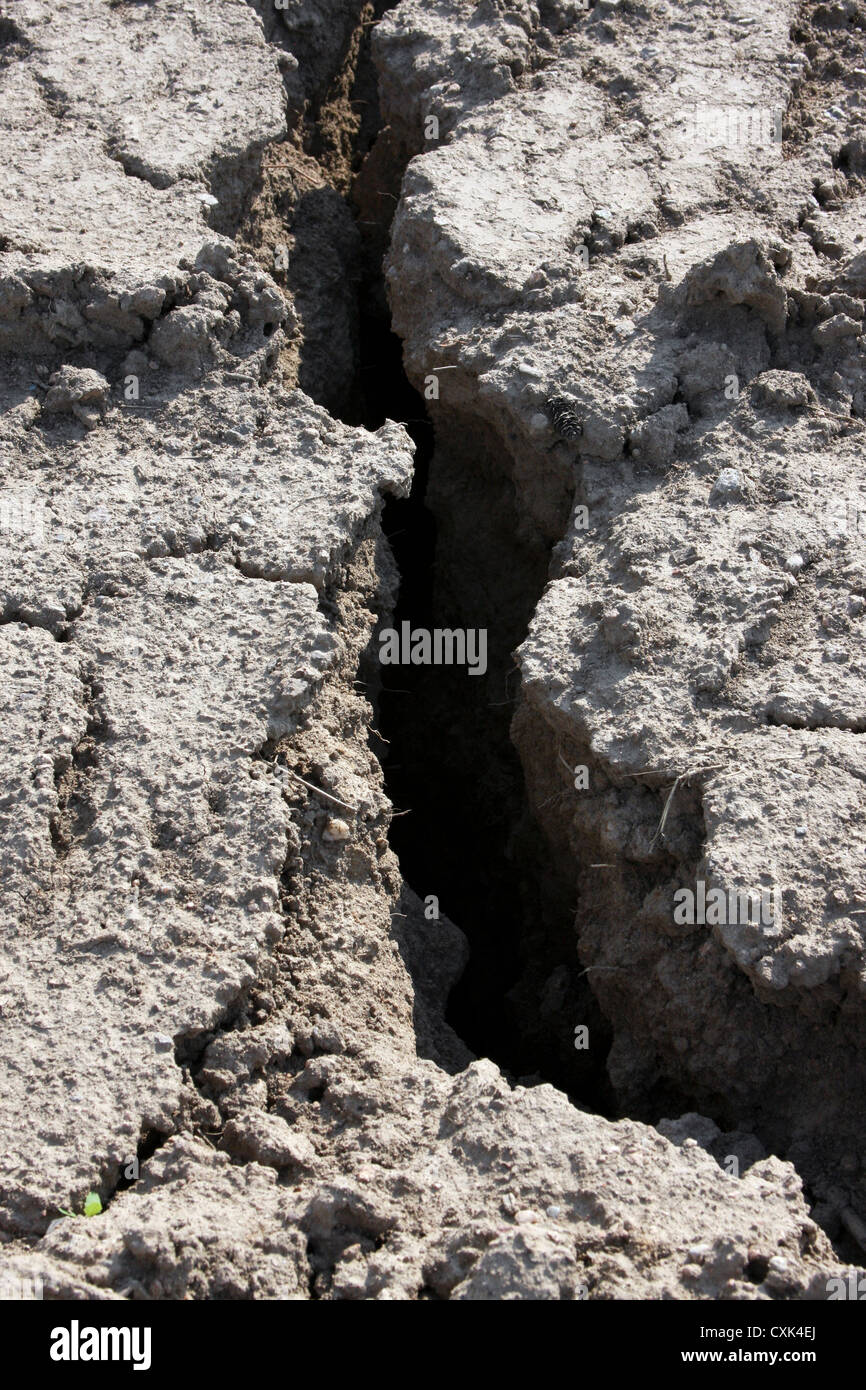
223,1006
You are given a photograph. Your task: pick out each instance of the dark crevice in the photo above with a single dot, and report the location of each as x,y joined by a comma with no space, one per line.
148,1145
464,831
76,811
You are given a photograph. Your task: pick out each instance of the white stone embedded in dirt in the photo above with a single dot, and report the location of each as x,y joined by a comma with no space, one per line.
337,831
728,485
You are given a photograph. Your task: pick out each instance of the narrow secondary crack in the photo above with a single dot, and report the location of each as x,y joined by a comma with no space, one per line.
76,812
816,724
60,634
129,1171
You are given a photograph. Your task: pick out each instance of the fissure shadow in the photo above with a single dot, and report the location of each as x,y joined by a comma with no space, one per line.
464,832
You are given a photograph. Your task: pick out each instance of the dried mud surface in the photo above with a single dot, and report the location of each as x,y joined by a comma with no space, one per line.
639,351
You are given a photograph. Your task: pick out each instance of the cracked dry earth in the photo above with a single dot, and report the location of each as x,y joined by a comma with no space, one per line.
227,1005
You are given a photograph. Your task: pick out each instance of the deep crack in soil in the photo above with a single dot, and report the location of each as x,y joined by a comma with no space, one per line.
463,831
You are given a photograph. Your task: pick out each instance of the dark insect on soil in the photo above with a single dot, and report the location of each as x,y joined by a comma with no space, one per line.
563,418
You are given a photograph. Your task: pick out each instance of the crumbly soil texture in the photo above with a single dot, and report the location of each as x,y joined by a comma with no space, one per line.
532,968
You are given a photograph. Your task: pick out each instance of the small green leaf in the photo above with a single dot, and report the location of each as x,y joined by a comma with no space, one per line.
92,1204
